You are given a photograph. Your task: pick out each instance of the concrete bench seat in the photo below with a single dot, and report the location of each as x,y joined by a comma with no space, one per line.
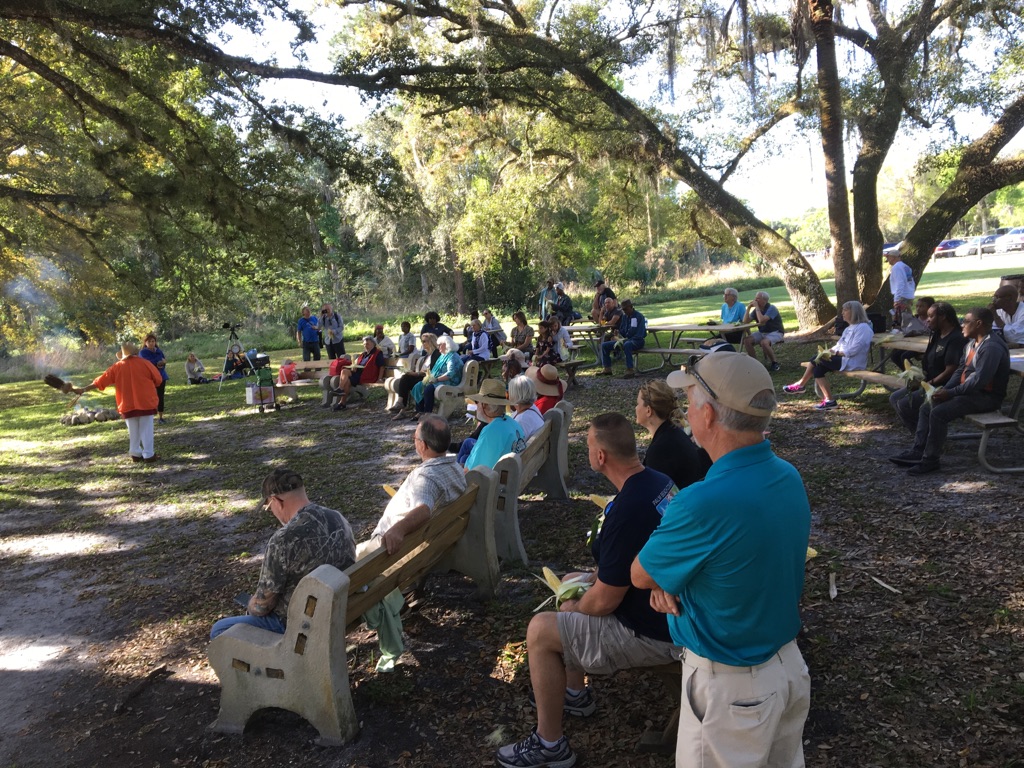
542,465
305,670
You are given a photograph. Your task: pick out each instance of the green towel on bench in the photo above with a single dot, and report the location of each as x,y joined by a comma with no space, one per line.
384,617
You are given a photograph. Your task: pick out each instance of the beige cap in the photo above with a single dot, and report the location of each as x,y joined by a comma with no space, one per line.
733,377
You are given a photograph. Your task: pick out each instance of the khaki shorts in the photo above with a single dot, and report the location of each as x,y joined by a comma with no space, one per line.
602,645
773,338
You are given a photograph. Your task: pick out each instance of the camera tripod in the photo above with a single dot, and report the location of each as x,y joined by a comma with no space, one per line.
234,345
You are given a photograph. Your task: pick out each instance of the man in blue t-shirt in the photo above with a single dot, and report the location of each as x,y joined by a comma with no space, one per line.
307,333
612,626
727,566
632,334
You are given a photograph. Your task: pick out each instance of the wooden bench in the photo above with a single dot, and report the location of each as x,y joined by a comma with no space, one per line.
989,422
890,382
543,465
570,367
305,670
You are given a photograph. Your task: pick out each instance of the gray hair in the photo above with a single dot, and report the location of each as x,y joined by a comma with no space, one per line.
448,341
521,391
731,292
733,420
762,295
857,312
435,433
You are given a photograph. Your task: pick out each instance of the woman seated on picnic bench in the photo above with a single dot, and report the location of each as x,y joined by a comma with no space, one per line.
547,345
367,369
194,370
515,364
493,330
447,370
522,335
849,354
478,343
563,341
672,452
421,365
235,363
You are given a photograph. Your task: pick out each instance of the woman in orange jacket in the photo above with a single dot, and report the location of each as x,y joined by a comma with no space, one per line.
135,381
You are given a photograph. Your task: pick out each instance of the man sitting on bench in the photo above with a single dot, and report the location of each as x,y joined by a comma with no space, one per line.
977,386
311,536
612,626
439,480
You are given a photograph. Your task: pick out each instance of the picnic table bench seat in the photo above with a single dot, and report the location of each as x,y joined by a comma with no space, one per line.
865,377
989,422
305,670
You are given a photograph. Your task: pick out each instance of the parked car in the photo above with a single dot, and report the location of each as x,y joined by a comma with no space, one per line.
1011,241
946,248
891,248
982,243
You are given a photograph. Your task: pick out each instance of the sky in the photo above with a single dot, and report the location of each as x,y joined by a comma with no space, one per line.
782,186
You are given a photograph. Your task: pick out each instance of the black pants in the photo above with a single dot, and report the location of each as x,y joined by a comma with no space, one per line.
335,350
405,385
310,348
160,397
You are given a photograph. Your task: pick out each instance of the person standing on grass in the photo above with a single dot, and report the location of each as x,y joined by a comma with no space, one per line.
901,283
135,382
310,536
307,334
333,328
152,353
726,565
612,626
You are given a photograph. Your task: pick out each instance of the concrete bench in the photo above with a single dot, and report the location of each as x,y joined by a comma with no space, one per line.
989,422
543,465
450,398
305,670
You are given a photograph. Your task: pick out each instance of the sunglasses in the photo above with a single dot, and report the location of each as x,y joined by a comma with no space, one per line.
691,368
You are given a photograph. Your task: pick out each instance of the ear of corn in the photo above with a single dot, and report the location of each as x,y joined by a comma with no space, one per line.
929,390
811,553
601,501
571,589
824,353
390,490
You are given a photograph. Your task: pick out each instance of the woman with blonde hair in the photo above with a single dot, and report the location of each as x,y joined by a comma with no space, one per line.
671,451
421,365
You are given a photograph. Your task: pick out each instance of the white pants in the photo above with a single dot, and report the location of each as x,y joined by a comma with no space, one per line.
743,717
140,436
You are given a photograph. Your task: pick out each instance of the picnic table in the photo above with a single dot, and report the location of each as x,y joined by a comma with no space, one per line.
590,336
680,343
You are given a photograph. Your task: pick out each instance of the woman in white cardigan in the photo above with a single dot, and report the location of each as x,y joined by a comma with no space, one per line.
849,354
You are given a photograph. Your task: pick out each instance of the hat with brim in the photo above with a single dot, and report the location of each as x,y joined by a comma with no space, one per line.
546,380
734,377
492,392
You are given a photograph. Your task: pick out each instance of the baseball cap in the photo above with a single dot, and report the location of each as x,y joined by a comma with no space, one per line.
731,378
370,338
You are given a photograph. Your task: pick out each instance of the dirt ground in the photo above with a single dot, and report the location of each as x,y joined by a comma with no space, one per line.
112,575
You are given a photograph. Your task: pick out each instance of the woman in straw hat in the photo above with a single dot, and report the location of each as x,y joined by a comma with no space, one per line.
502,434
135,381
550,388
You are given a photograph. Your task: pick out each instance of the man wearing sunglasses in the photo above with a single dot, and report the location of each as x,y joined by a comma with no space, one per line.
727,566
310,536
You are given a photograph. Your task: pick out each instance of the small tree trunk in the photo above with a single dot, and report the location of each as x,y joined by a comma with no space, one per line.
831,101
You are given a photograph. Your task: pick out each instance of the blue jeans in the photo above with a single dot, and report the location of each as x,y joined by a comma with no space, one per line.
426,405
629,346
270,622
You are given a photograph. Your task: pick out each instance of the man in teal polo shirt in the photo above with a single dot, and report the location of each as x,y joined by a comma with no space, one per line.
727,565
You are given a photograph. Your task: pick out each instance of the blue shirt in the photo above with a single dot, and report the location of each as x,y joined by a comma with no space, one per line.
154,357
309,329
733,314
633,326
732,547
501,436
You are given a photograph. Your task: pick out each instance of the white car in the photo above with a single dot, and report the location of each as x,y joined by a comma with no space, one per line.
1011,241
977,245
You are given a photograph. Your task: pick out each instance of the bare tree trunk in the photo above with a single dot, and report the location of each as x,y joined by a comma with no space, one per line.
481,295
460,290
831,101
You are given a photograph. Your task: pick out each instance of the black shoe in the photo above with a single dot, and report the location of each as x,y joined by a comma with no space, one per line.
338,407
928,464
907,458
